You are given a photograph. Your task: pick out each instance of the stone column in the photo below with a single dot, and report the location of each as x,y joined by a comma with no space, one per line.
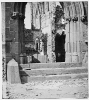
17,44
81,35
79,29
53,41
71,32
49,45
53,48
67,32
75,47
75,19
21,32
74,58
67,44
4,85
82,28
3,42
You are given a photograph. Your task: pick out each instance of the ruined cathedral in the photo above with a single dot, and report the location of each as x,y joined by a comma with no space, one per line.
58,33
44,44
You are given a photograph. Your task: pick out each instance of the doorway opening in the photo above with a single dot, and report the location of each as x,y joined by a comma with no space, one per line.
27,20
60,47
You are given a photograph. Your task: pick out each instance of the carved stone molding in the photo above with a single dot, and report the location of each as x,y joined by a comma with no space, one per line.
68,19
16,15
84,18
21,16
75,19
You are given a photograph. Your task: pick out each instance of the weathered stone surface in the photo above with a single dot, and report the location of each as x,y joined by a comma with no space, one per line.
15,48
76,31
48,65
55,89
8,4
85,60
7,33
55,71
13,72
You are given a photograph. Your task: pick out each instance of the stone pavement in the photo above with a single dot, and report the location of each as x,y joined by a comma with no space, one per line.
74,88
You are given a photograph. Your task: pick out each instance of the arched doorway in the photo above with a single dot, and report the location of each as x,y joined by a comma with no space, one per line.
74,26
60,47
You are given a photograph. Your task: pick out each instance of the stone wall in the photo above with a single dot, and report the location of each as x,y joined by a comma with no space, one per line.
8,35
76,31
14,26
10,30
43,13
46,28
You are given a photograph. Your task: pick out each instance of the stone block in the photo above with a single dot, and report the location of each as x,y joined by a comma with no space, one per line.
8,57
7,32
85,60
68,58
83,47
75,57
12,21
13,27
8,4
12,34
15,47
13,72
7,17
7,22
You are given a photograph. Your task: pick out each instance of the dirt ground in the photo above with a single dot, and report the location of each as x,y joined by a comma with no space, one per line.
74,88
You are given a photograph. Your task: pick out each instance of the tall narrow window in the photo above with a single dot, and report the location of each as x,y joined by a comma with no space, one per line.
27,20
37,44
43,8
48,6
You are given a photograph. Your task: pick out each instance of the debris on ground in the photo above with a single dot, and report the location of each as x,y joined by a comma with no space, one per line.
74,88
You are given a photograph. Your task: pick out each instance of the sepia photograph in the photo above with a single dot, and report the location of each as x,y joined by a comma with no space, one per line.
44,50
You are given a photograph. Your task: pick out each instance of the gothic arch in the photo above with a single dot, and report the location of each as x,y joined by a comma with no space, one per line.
23,7
81,9
17,6
18,16
20,7
73,12
76,13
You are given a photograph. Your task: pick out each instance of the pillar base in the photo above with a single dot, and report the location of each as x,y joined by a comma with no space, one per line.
68,58
75,57
13,75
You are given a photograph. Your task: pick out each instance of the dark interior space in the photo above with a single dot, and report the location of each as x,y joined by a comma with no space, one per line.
60,47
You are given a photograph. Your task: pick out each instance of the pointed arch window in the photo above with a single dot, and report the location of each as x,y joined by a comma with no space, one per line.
27,20
43,4
37,44
48,6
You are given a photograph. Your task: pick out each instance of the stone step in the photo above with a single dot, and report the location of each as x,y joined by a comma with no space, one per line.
26,79
53,71
50,65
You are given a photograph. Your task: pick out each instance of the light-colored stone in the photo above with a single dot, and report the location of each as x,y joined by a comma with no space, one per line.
13,72
75,57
